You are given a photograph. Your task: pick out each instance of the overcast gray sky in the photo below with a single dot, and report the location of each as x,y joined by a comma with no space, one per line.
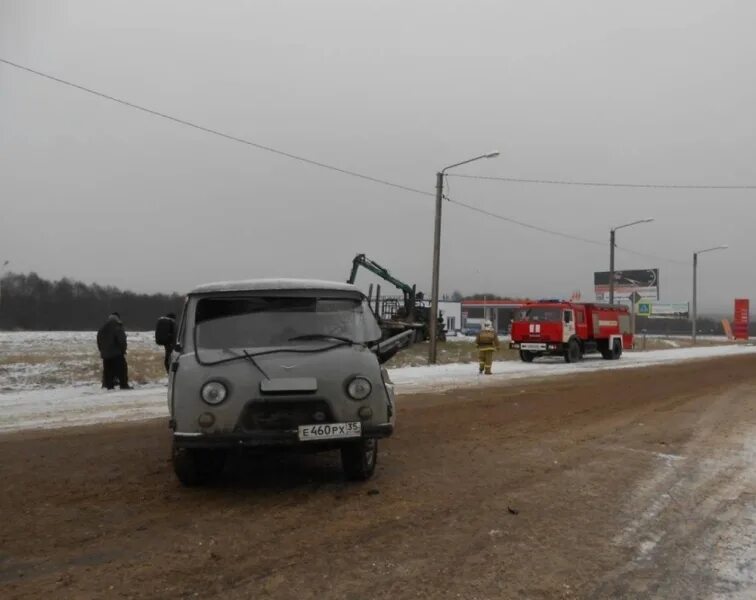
644,91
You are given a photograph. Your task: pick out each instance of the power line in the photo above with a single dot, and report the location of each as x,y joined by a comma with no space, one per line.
348,172
560,234
661,186
526,225
227,136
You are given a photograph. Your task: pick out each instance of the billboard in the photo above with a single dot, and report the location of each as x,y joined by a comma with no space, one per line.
654,310
645,282
741,319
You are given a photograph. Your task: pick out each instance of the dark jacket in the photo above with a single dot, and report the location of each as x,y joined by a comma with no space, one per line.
165,332
111,339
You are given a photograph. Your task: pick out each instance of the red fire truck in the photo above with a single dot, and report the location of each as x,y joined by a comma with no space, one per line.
570,329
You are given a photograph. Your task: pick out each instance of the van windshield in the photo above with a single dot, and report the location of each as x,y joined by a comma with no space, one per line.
540,313
244,323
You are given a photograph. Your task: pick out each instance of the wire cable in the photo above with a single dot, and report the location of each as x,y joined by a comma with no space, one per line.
526,225
227,136
560,234
661,186
370,178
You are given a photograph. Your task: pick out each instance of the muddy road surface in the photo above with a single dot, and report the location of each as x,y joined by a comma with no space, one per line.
627,484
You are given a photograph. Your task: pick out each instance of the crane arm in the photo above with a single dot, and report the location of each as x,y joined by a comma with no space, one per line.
363,261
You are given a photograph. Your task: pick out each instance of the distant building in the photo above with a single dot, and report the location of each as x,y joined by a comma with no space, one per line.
500,312
452,314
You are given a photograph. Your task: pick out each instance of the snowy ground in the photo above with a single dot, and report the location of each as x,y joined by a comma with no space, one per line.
85,404
419,379
33,360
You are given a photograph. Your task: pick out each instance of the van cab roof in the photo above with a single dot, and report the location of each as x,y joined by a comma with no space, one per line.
253,285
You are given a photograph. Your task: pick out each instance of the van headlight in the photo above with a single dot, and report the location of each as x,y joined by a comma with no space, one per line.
214,392
359,388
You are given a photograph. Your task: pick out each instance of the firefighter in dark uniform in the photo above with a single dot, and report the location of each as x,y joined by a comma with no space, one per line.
487,342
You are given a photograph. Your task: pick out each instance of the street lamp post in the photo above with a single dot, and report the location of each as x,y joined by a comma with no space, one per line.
695,287
612,246
433,324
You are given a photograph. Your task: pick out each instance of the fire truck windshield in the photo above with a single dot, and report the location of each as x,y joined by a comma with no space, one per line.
540,314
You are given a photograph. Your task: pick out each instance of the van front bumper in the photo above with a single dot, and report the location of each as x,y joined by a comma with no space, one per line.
269,438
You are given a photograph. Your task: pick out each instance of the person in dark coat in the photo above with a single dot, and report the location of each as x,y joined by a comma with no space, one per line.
165,335
111,342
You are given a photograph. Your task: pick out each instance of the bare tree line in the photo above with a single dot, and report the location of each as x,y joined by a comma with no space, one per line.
28,302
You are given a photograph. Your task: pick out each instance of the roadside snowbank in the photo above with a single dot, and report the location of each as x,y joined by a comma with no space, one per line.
87,404
420,379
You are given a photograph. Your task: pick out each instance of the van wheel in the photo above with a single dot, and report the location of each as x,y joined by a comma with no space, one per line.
573,353
198,466
358,459
526,356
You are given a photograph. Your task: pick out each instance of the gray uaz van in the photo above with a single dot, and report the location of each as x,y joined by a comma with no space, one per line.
268,363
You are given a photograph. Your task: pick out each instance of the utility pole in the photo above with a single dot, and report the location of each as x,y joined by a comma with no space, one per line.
612,246
694,316
436,268
611,266
433,317
695,291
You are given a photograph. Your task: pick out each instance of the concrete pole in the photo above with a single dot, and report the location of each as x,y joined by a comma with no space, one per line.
611,266
695,292
433,351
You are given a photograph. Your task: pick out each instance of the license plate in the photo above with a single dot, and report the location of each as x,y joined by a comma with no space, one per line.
527,346
329,431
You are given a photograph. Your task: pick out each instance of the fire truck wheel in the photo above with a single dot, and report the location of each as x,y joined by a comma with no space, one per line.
573,353
612,353
526,356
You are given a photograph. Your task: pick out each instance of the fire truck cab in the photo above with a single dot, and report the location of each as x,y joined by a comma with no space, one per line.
571,330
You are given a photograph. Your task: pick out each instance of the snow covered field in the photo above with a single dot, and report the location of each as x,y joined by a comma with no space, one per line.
29,407
33,360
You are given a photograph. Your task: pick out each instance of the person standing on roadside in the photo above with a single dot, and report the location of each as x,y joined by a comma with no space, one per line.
165,335
487,342
111,342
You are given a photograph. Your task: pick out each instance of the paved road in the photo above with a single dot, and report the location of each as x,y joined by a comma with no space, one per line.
629,484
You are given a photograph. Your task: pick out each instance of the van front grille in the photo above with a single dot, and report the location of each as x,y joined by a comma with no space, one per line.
270,415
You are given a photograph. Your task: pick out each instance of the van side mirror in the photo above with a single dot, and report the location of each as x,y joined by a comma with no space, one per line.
568,317
178,348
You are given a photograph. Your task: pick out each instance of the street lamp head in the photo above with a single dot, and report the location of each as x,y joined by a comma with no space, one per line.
493,154
638,222
722,247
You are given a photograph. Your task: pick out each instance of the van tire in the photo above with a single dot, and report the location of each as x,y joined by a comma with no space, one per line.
198,466
358,459
526,356
574,353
